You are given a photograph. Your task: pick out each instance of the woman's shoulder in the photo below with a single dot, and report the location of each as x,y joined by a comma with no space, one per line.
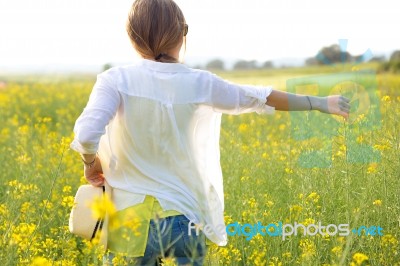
138,69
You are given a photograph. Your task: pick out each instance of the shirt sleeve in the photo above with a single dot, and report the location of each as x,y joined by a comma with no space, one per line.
102,106
230,98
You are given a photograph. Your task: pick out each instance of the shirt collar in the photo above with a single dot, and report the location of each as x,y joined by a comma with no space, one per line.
164,67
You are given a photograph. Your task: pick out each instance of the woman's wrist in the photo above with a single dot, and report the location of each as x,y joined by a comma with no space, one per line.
315,102
89,160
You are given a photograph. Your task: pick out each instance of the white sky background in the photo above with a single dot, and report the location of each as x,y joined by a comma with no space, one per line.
87,32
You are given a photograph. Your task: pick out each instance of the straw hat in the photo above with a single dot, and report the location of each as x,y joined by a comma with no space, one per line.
82,221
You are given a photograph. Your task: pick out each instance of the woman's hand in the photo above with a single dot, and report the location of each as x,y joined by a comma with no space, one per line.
94,173
335,104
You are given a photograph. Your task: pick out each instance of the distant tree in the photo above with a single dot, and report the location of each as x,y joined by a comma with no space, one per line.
395,57
215,64
197,67
358,58
332,54
312,61
394,63
107,66
268,64
378,59
245,65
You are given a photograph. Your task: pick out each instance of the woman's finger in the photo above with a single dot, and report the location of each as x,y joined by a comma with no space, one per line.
344,99
345,105
97,182
345,108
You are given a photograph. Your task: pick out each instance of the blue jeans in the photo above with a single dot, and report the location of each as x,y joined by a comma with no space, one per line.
170,237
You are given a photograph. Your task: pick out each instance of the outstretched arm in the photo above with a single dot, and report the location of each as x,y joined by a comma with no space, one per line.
284,101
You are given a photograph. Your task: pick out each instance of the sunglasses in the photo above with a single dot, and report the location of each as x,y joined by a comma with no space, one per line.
185,30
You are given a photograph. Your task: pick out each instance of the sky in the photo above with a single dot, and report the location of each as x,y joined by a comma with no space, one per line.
92,32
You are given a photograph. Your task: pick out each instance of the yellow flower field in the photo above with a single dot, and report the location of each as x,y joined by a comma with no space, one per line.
262,180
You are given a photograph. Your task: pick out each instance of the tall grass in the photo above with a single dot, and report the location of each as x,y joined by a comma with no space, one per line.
262,180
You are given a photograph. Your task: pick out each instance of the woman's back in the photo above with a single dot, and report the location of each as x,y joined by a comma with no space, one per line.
164,139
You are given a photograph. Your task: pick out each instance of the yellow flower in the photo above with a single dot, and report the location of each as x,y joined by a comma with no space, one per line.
270,203
308,248
256,144
258,258
341,239
372,168
22,236
3,210
389,240
119,260
314,197
102,205
47,204
46,119
308,221
359,258
67,189
228,219
377,202
296,209
288,170
336,250
40,261
381,147
67,201
224,254
244,178
23,130
243,128
360,117
274,261
237,254
386,98
360,139
169,261
245,148
23,159
252,203
25,207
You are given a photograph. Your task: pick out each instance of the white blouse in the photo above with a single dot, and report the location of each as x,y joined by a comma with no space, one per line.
156,128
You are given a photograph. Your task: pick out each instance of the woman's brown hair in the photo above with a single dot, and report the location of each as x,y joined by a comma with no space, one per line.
155,27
